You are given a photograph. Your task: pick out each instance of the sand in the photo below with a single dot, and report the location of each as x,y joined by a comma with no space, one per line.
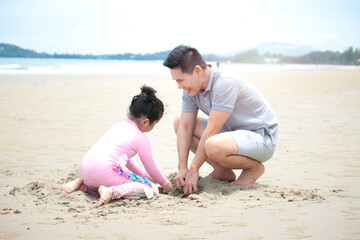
310,189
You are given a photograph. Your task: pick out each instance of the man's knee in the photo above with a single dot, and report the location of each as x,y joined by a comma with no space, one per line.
213,149
176,123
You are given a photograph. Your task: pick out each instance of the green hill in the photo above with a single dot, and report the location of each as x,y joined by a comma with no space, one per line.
8,50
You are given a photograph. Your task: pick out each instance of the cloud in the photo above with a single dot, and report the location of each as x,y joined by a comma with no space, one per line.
81,29
331,36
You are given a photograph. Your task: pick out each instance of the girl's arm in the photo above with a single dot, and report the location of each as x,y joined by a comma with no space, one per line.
135,168
145,154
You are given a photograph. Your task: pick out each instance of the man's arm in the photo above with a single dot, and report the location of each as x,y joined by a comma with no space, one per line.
215,123
184,138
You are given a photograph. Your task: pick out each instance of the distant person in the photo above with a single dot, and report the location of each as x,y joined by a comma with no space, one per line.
103,171
241,131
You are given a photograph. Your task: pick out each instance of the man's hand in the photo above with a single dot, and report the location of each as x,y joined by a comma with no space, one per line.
179,179
191,182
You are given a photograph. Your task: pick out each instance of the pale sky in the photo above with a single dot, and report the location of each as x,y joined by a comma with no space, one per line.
144,26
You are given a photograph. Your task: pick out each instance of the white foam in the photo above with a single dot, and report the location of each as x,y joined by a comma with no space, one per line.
10,66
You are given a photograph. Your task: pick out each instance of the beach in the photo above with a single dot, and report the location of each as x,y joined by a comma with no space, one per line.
310,188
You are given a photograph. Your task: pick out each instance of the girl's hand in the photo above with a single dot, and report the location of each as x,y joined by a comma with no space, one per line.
167,188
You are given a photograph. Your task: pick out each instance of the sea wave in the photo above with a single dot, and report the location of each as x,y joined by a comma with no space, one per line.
12,67
79,66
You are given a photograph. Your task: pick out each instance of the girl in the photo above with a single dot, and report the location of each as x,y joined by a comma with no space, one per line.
103,167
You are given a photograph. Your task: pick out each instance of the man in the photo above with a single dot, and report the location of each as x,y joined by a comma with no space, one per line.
240,132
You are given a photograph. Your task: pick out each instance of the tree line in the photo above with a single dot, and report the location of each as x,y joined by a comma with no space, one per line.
8,50
349,57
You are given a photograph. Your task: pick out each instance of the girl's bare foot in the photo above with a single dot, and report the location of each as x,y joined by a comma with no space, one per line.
249,176
72,186
105,196
223,174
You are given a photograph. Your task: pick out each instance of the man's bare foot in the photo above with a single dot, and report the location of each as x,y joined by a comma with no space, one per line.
105,196
223,174
249,176
72,186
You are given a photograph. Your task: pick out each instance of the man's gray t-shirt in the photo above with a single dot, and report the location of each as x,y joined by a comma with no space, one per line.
249,109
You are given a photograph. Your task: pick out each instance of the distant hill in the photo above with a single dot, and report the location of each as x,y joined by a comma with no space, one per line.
285,49
277,48
348,57
9,50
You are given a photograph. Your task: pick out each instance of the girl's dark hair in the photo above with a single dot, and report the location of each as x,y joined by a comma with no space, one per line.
184,57
146,104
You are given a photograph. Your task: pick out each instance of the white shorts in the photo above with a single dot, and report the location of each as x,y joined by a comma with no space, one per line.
257,145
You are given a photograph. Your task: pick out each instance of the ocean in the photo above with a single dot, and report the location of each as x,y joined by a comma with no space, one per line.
11,66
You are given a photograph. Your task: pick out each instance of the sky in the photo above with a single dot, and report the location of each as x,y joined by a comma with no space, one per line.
144,26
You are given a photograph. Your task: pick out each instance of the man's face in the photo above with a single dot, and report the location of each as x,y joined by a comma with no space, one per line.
189,82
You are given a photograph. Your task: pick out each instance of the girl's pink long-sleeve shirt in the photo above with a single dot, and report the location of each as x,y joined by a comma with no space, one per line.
119,144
